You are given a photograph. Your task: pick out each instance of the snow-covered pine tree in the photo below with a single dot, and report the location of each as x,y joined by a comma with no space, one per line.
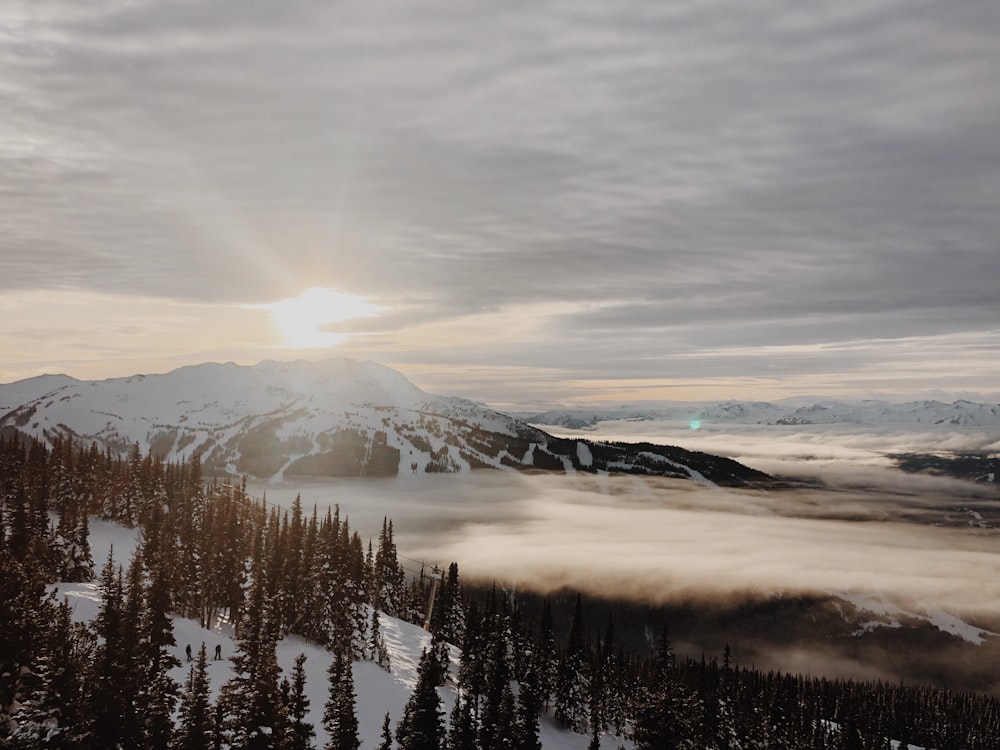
376,643
195,715
448,617
545,655
388,585
463,730
422,725
667,715
339,716
23,612
573,684
529,707
253,711
52,698
497,720
300,732
119,668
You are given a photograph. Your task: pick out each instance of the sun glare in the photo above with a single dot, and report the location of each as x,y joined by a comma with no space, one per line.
301,320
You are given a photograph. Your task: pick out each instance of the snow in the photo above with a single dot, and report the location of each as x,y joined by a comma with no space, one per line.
215,407
13,395
890,616
377,690
868,412
583,455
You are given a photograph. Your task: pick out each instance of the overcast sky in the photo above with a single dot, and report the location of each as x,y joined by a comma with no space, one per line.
537,201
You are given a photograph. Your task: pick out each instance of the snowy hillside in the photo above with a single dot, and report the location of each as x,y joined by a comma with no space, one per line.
378,691
959,413
339,417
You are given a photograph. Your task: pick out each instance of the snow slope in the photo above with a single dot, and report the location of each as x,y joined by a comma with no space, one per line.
377,691
243,419
335,418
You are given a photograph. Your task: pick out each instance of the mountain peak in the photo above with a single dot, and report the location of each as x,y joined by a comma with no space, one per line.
334,417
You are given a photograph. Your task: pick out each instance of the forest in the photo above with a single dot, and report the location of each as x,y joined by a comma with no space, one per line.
210,552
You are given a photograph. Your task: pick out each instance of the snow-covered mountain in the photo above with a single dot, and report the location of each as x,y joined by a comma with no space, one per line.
338,417
960,413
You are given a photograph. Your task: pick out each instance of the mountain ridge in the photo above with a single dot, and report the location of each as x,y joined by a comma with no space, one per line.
335,418
869,412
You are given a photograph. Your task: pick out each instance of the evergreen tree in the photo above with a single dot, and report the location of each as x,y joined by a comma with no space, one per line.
53,709
422,725
573,686
158,692
117,667
300,731
497,719
376,643
666,713
195,726
545,648
339,717
23,614
530,704
463,733
386,737
254,714
388,580
448,619
472,667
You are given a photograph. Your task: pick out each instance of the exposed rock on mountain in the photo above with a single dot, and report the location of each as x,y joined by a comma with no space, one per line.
338,418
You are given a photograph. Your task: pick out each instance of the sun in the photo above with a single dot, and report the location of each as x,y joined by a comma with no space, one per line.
300,320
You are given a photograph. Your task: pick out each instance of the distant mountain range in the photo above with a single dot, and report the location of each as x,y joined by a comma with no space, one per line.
960,413
339,417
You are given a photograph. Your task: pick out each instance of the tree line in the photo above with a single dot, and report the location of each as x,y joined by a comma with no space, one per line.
209,552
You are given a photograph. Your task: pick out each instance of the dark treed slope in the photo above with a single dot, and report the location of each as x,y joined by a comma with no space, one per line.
211,550
337,418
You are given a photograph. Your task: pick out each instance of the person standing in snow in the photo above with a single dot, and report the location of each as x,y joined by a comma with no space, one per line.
188,651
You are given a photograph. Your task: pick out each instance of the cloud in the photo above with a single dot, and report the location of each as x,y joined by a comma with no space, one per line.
702,176
660,540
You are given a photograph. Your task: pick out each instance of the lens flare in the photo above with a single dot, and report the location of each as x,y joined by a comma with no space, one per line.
301,321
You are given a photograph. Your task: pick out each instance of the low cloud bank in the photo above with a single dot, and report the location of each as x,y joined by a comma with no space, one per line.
658,540
854,525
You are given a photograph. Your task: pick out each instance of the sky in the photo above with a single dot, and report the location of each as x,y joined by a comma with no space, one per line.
520,203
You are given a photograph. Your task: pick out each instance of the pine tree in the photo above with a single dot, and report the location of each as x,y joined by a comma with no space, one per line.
448,618
386,743
666,714
376,643
195,726
254,714
472,667
118,671
339,717
23,614
158,692
463,732
573,686
388,580
53,709
300,731
422,725
545,648
441,656
497,721
529,708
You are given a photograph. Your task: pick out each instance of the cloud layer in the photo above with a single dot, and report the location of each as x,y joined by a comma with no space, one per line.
744,197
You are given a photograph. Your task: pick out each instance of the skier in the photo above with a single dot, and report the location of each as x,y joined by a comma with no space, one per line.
218,650
188,651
